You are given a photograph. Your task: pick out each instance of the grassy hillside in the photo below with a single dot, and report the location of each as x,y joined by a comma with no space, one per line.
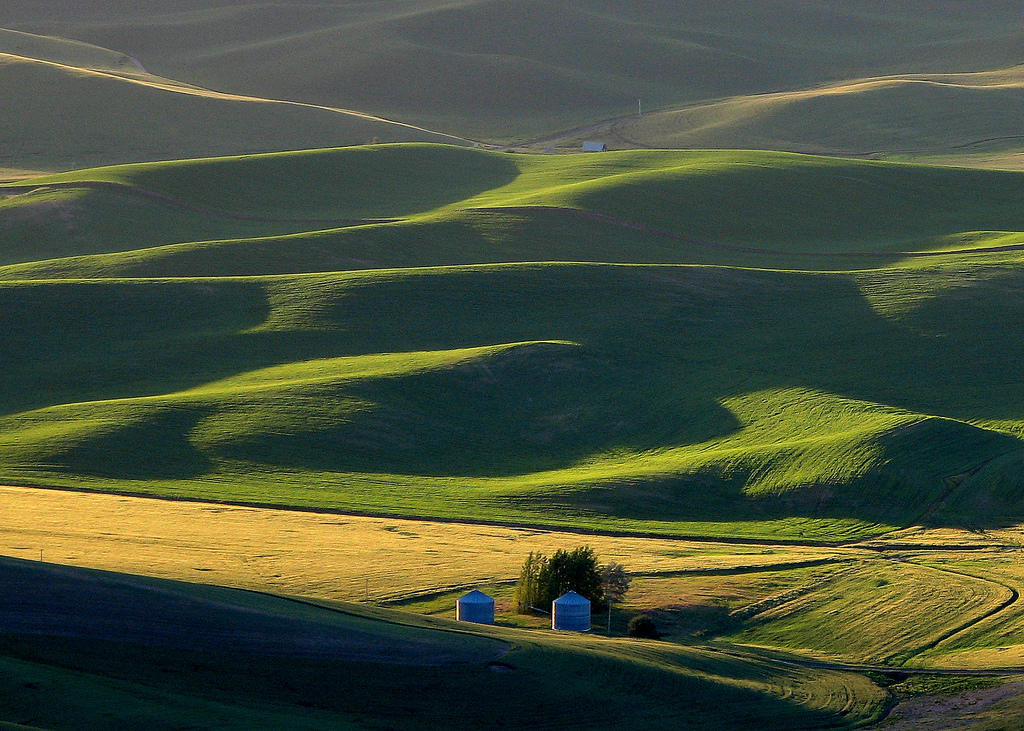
889,612
460,206
269,391
913,114
694,397
509,69
99,107
181,674
140,206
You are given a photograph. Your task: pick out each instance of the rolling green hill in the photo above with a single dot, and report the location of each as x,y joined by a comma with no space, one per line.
734,343
410,371
430,205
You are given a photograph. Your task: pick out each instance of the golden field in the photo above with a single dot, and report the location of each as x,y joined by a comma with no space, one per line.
325,555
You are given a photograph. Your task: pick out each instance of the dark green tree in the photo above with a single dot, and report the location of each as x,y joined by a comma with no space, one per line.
574,570
542,579
528,588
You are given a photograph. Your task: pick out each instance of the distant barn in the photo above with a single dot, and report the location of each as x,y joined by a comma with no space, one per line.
595,147
571,612
475,607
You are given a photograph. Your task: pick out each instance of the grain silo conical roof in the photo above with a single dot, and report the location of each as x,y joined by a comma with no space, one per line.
571,612
475,607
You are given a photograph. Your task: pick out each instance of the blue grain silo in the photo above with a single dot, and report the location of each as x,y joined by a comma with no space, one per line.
475,607
571,612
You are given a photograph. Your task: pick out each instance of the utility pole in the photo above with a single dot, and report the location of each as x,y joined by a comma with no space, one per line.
639,108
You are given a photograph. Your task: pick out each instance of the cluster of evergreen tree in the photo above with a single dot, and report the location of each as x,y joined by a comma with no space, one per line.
542,579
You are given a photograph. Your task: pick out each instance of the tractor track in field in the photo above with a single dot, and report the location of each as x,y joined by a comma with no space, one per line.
894,671
1013,598
896,663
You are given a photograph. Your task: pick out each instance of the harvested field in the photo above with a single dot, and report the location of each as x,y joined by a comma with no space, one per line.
998,640
878,613
324,555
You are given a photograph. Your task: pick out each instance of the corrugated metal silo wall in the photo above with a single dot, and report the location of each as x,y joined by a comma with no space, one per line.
572,617
478,612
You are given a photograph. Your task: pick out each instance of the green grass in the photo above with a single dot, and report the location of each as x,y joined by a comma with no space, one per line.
691,398
51,224
84,682
610,434
754,209
943,685
787,202
883,612
997,640
373,181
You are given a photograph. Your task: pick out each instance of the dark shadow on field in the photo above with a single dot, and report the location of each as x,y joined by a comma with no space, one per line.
161,637
63,342
656,350
48,224
151,447
374,181
96,605
527,408
697,620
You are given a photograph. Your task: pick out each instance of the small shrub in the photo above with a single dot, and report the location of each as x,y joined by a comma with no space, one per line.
643,627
